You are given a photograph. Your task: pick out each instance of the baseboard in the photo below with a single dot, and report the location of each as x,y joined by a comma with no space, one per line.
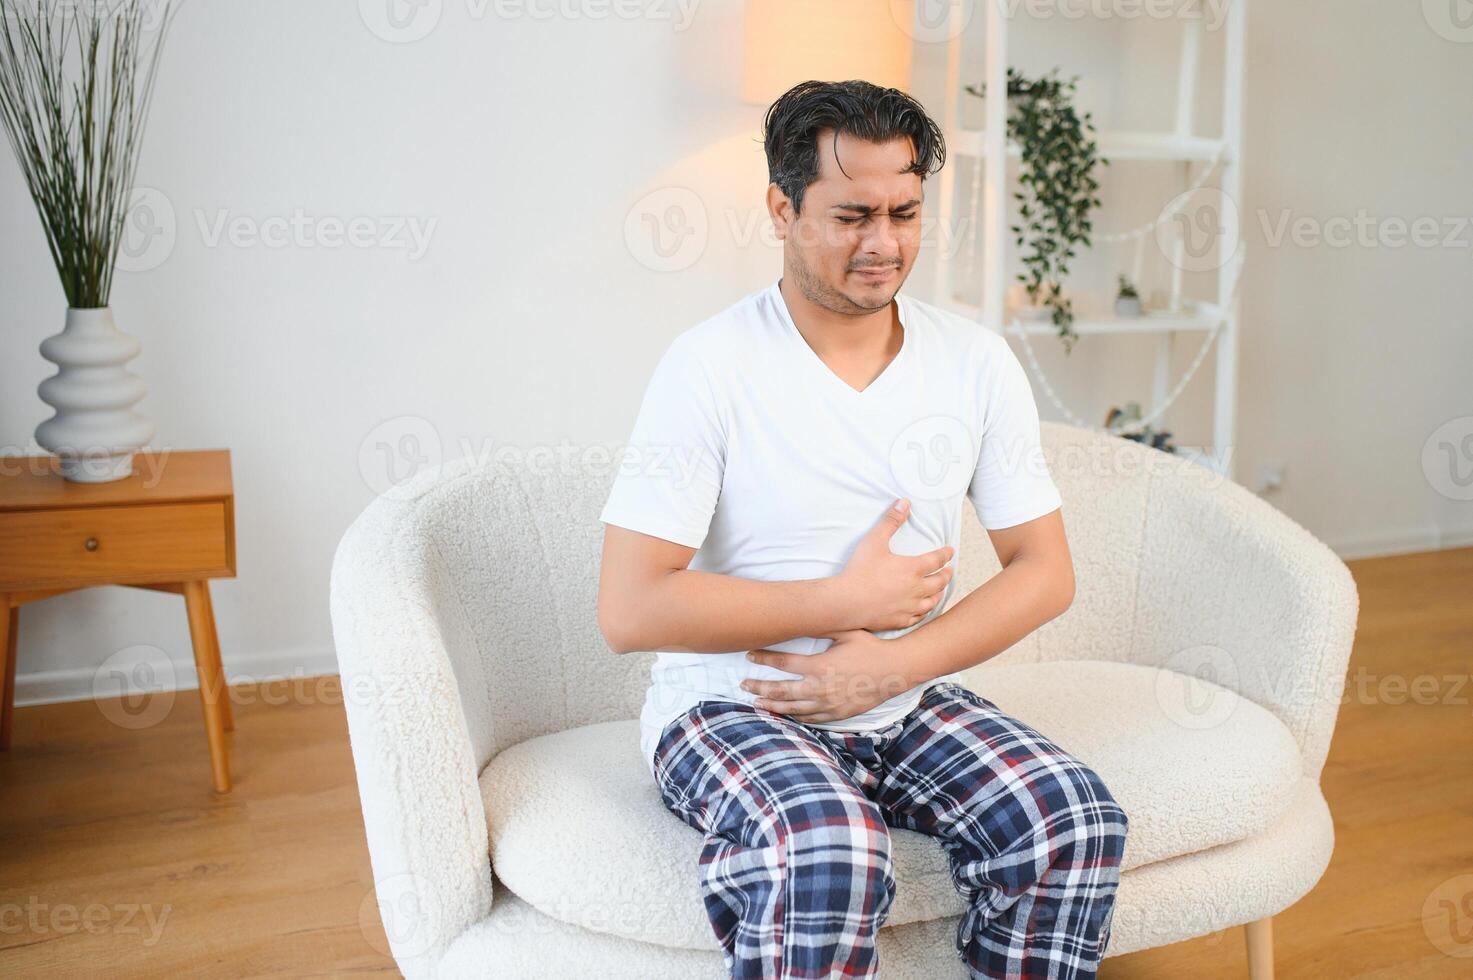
1402,542
79,683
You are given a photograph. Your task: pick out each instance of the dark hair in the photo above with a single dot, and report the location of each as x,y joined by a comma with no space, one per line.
859,108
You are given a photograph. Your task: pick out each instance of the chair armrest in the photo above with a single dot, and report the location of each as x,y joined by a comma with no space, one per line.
1232,588
416,770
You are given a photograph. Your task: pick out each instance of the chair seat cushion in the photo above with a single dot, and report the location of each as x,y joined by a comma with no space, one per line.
579,832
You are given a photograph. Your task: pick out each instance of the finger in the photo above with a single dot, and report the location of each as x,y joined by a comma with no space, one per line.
892,519
780,659
938,580
801,709
930,602
935,559
781,690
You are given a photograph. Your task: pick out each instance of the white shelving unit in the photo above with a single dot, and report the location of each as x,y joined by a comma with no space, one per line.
990,149
1116,145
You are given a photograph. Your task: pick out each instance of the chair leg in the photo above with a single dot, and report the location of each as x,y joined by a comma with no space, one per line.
1260,937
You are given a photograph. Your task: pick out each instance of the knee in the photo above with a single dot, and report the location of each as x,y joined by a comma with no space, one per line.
1093,813
844,850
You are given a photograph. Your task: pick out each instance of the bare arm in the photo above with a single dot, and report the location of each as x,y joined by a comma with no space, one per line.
1035,585
649,599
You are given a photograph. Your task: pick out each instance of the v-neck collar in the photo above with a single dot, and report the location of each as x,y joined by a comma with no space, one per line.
884,380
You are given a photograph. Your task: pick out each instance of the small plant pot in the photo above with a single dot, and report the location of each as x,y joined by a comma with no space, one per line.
1127,306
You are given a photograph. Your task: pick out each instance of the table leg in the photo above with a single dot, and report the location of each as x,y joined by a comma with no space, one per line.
9,629
197,603
227,710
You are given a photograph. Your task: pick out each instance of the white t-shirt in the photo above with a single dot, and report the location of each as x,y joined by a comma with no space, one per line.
751,449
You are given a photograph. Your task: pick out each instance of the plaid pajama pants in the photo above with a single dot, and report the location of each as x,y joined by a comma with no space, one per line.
796,873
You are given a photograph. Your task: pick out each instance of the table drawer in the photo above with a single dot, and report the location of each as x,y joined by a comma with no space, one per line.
113,544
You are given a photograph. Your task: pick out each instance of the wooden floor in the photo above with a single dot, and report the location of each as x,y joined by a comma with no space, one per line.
116,857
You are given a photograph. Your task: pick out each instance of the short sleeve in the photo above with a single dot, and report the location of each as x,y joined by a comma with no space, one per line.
1012,483
668,477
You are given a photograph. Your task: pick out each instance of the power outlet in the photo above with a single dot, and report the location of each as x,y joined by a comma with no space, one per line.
1270,477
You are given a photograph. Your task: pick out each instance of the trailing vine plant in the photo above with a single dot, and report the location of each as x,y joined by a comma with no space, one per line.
1059,156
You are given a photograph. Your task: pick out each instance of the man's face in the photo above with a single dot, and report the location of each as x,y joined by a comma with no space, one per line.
857,238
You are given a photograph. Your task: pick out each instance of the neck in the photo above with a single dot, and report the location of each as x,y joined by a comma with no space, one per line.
864,335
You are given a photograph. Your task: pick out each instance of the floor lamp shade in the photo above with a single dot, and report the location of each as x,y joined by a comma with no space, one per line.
790,41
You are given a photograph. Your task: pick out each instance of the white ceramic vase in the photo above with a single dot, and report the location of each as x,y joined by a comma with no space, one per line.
95,430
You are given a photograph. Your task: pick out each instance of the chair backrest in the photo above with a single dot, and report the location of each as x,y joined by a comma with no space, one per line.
511,560
516,554
1179,568
1104,482
516,559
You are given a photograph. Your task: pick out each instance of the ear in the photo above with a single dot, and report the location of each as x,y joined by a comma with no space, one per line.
780,210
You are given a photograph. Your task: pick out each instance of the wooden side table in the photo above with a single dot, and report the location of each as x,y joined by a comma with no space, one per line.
170,526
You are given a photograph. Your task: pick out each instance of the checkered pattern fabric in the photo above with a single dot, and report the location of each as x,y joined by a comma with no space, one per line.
796,872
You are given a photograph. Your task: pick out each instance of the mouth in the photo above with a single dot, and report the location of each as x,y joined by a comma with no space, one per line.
875,275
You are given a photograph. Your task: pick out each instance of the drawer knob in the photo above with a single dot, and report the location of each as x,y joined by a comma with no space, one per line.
91,544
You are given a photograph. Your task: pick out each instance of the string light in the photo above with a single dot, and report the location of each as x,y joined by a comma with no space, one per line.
1141,424
1110,238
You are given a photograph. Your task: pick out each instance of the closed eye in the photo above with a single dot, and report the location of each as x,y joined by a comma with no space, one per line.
908,216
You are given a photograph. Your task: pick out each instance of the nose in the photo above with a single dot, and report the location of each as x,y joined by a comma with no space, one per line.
880,243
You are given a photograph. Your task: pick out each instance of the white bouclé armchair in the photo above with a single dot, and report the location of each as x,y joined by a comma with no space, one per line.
514,830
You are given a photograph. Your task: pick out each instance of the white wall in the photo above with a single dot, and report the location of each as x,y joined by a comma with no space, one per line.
522,145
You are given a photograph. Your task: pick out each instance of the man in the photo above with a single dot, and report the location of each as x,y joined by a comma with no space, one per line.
806,696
